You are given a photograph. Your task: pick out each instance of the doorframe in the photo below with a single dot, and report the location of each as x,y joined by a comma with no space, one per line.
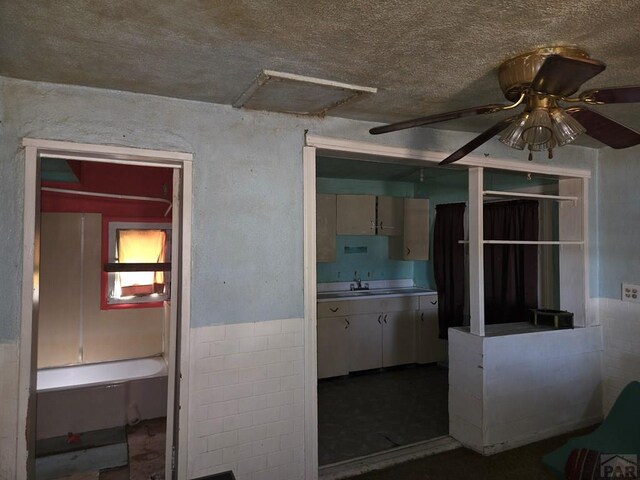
34,149
358,150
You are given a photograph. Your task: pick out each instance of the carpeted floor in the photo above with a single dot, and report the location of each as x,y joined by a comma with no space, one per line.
376,411
524,463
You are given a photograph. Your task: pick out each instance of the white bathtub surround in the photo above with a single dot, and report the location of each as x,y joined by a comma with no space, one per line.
621,326
507,391
246,400
83,398
8,409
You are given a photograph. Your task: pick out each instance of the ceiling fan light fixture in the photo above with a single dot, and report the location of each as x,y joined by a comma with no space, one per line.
540,147
538,128
565,127
512,135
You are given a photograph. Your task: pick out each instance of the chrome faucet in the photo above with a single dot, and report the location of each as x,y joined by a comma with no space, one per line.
358,284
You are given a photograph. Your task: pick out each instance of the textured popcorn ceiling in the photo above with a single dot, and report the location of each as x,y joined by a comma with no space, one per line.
424,56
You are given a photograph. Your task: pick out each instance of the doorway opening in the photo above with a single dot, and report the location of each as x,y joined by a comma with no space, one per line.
484,179
381,358
104,329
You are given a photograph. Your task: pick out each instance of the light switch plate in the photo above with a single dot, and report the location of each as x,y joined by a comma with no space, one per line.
630,293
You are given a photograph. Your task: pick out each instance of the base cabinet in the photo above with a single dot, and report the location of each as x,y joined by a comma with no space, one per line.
430,348
333,346
365,341
398,339
354,335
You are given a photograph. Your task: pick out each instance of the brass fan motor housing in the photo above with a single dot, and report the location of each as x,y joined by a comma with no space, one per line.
516,74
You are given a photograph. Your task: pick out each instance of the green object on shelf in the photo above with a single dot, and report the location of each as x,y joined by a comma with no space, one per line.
618,434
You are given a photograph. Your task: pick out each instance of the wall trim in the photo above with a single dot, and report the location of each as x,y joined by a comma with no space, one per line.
34,149
310,319
363,150
377,153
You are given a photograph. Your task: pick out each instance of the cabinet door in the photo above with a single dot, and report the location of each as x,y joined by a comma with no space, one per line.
326,228
430,348
416,229
356,214
333,346
389,221
398,338
365,341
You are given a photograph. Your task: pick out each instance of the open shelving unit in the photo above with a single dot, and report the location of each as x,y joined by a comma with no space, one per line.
572,223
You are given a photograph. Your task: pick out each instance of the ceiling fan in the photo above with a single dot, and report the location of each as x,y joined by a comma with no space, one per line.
540,80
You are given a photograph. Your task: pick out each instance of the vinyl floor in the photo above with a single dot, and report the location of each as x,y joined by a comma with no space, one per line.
524,463
367,413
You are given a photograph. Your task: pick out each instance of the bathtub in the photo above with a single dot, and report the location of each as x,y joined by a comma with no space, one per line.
82,398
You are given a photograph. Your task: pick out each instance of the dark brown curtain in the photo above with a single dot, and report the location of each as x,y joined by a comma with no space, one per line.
448,265
510,271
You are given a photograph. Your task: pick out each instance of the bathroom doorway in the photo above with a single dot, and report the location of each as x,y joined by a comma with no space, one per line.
107,322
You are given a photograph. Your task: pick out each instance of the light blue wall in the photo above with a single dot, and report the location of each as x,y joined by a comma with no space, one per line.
375,263
247,220
619,219
452,188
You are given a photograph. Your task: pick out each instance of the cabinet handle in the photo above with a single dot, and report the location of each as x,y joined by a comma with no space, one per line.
433,303
408,251
348,324
379,316
422,317
385,319
334,310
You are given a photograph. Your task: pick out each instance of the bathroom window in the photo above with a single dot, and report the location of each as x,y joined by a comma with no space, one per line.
142,244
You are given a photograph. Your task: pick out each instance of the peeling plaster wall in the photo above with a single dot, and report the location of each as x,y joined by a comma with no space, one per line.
247,205
247,224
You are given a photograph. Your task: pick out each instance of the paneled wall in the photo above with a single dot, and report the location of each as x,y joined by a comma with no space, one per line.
72,328
507,391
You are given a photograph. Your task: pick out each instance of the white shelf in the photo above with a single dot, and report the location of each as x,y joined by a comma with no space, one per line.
539,196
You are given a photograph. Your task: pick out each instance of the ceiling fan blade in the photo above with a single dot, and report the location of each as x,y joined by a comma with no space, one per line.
612,95
479,140
604,129
440,117
563,76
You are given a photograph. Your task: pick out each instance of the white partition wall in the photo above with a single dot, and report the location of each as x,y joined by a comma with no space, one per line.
512,384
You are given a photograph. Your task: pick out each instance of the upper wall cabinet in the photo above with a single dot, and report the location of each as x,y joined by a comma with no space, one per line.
356,214
413,244
326,228
389,221
369,215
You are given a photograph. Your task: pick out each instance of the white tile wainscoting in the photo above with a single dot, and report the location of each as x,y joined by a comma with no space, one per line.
621,364
246,406
8,409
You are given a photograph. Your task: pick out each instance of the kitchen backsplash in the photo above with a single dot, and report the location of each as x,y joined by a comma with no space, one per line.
366,257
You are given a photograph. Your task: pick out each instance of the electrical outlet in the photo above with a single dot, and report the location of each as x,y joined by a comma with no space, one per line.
630,293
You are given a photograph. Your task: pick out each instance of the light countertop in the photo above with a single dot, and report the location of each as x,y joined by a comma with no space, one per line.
373,293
